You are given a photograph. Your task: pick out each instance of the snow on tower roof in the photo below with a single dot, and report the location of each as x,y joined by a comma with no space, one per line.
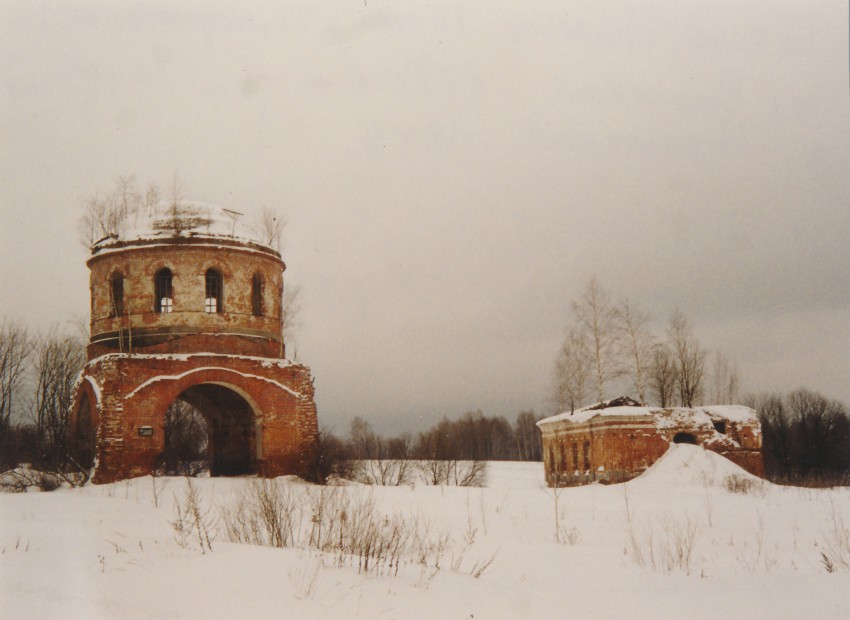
183,219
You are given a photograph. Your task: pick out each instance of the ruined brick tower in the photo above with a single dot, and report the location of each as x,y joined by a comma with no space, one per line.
182,307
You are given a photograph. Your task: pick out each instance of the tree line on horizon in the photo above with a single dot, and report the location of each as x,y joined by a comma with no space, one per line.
806,436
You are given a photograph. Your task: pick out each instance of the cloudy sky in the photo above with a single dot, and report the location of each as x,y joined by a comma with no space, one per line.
453,173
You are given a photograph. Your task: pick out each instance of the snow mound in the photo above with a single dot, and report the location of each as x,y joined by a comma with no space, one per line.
684,464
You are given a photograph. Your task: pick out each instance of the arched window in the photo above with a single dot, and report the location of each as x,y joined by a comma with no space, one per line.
257,295
116,292
212,297
163,302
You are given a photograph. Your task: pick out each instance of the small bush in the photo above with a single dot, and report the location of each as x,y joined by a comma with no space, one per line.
739,483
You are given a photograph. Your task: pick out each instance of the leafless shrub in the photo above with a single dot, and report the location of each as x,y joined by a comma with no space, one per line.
565,535
304,576
836,542
478,568
383,472
192,521
739,483
22,479
265,514
669,549
451,472
827,563
344,524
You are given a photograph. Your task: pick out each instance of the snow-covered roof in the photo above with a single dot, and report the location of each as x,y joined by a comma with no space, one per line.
184,219
664,417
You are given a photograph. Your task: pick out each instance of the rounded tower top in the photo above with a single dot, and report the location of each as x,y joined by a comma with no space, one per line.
185,278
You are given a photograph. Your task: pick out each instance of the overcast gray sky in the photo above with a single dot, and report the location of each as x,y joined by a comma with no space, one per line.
453,173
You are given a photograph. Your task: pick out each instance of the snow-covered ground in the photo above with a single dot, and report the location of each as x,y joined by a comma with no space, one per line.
674,543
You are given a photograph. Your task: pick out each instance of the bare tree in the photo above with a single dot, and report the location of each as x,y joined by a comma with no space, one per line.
108,214
635,341
378,460
528,440
573,370
662,374
725,380
689,357
290,310
58,361
595,318
806,437
776,430
152,199
14,352
269,226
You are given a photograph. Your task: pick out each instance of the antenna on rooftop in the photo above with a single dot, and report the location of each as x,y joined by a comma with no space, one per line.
234,217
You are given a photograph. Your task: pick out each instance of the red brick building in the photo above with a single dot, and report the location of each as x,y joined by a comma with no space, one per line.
184,308
617,440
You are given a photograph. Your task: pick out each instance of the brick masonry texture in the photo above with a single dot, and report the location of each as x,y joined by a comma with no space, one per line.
617,448
228,364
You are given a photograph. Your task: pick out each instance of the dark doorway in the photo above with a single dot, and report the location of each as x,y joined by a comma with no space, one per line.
685,438
186,450
229,432
84,434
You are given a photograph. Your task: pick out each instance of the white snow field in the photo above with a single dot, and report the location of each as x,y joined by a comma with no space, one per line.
674,543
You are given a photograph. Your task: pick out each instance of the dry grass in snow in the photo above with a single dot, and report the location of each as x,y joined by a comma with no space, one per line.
693,536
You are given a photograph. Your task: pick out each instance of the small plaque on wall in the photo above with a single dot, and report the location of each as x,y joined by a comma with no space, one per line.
145,431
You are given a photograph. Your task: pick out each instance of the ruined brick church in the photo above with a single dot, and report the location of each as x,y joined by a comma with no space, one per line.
185,307
616,440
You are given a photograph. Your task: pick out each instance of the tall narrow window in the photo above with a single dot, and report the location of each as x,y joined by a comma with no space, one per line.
212,298
257,295
163,302
116,291
586,448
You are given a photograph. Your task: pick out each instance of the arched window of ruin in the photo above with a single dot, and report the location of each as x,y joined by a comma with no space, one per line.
257,295
116,292
212,297
163,300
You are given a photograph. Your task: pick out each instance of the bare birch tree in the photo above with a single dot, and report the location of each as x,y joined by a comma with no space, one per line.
573,370
662,374
635,341
595,318
725,380
689,357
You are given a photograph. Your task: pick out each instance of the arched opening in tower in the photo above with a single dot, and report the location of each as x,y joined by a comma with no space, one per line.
186,451
84,433
209,427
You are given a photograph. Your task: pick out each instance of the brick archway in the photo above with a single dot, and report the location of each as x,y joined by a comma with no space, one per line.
261,412
231,428
85,418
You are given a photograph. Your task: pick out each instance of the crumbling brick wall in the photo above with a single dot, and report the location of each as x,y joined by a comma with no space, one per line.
142,359
620,447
